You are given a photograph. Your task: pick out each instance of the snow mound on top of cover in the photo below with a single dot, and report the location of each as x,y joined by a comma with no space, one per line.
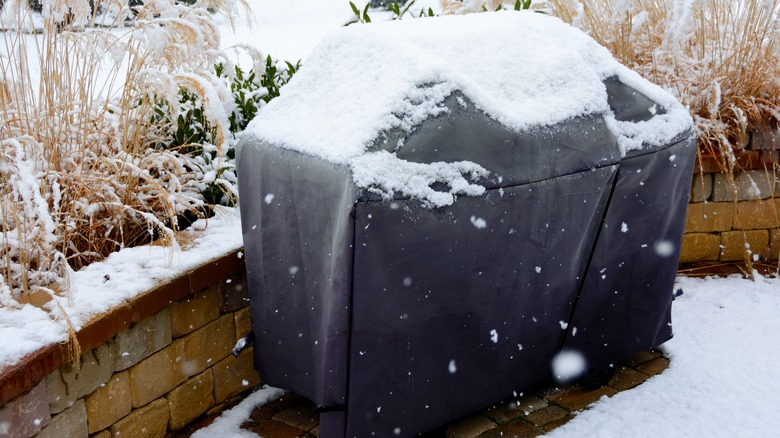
522,69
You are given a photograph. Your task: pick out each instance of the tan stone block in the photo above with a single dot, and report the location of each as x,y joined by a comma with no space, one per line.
698,247
108,403
103,434
755,215
208,345
70,382
469,427
733,244
243,321
774,244
150,421
747,186
194,312
149,335
157,374
190,400
701,187
25,415
708,217
71,423
233,293
233,375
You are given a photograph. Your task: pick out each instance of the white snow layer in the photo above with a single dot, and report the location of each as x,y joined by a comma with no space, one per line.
382,172
228,425
363,81
523,69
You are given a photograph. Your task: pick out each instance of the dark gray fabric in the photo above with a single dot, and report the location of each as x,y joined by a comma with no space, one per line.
431,289
401,318
629,105
298,229
465,133
626,299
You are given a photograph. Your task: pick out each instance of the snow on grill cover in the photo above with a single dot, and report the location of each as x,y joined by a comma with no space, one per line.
433,208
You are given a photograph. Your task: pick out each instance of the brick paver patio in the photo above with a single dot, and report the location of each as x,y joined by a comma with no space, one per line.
539,409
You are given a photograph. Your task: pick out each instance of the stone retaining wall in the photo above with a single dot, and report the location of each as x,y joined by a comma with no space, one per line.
151,367
723,217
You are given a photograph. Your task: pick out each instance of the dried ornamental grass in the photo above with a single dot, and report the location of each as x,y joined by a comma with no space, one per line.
85,104
719,57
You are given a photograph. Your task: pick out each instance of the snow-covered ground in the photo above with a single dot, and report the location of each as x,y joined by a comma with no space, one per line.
723,379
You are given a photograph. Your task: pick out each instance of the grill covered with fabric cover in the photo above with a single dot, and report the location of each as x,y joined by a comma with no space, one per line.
428,222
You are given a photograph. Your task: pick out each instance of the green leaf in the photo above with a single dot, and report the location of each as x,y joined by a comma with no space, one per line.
366,18
354,9
406,9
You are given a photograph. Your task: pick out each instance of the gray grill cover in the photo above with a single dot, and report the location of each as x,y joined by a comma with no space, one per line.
397,318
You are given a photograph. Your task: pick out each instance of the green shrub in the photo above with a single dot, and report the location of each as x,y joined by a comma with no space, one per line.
187,130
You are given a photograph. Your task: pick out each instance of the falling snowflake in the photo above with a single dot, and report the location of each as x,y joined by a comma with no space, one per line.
478,222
